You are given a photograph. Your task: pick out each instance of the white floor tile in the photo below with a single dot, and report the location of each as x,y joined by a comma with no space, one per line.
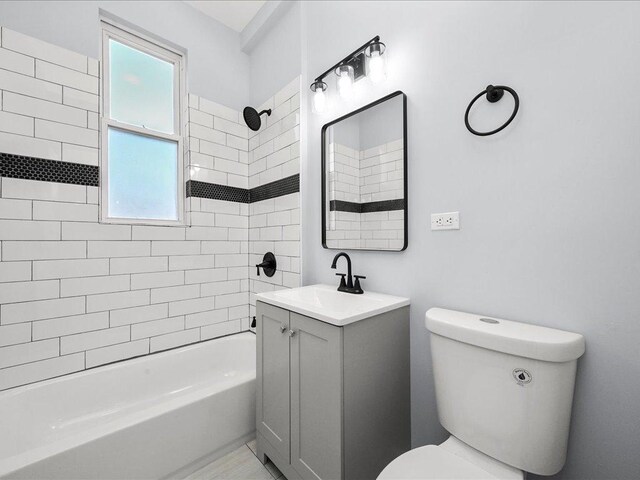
241,464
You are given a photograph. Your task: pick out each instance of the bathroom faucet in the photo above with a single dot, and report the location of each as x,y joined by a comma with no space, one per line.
348,286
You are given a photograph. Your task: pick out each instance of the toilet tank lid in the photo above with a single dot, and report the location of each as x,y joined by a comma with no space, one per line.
515,338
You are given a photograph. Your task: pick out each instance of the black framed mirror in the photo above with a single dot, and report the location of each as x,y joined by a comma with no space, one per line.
364,177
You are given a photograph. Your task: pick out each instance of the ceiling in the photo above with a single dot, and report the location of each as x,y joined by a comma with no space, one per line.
234,14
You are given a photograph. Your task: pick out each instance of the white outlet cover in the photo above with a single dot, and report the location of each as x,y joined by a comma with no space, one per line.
445,221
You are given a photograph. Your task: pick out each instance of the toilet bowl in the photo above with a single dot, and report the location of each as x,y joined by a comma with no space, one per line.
504,392
453,460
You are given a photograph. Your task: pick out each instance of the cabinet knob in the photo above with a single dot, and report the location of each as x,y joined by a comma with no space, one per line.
292,333
283,327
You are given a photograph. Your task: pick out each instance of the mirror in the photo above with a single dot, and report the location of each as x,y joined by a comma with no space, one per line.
364,177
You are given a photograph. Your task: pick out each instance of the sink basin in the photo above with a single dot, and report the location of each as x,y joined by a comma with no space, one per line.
325,303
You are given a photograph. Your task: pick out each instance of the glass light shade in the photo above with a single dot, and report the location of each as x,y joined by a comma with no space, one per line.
345,80
319,101
376,62
319,97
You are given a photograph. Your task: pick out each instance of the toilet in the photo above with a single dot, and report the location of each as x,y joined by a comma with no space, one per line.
504,391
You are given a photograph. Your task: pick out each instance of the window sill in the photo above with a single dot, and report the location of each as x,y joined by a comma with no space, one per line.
140,222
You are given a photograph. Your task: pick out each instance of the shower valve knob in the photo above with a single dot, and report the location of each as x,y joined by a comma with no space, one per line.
269,265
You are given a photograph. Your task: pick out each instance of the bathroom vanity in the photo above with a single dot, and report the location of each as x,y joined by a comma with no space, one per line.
332,382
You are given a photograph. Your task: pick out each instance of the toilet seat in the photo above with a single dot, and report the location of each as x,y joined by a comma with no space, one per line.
432,463
452,460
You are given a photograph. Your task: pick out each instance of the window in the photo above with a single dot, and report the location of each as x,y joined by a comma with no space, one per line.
142,154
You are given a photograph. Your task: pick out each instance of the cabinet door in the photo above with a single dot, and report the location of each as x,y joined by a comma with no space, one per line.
316,398
272,375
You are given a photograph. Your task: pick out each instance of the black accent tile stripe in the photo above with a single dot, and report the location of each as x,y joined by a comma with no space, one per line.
215,191
383,206
342,206
33,168
368,207
281,187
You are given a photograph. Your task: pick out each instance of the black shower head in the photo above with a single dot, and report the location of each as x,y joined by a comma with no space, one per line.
252,117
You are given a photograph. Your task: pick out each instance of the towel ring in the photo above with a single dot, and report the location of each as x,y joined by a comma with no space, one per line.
493,94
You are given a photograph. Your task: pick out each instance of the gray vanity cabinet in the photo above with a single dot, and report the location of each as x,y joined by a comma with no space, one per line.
316,398
332,402
273,412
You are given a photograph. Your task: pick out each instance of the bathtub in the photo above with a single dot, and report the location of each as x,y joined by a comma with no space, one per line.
163,415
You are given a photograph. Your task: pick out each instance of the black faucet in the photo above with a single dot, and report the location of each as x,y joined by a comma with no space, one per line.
347,286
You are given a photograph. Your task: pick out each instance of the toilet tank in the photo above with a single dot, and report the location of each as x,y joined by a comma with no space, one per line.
505,388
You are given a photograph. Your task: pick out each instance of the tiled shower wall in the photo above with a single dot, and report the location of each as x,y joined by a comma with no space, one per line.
75,293
382,180
343,182
274,223
370,178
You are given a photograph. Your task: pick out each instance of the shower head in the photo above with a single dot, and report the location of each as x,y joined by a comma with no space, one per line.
252,117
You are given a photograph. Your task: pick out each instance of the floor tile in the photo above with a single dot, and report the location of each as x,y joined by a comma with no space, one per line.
273,470
241,464
252,445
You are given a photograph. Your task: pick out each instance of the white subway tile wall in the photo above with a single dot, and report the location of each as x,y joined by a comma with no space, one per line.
364,176
77,294
274,224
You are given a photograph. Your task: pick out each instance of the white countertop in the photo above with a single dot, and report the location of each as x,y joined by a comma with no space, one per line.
325,303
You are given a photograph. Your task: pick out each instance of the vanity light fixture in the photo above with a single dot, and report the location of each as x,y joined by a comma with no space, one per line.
376,63
350,69
319,97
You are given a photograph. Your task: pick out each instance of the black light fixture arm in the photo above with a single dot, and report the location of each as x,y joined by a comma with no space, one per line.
348,58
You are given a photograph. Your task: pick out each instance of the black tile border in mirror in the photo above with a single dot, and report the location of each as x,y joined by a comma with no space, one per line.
381,206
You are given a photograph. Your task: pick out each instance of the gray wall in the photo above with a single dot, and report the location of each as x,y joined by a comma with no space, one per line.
217,69
548,208
381,124
375,126
347,132
276,57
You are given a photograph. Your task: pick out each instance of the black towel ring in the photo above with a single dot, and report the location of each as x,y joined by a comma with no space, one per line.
494,93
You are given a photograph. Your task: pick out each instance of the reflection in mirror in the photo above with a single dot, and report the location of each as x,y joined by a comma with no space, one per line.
364,178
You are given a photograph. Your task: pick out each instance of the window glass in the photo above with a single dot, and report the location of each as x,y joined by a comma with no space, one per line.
141,88
142,177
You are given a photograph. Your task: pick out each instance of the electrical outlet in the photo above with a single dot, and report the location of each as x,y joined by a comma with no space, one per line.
445,221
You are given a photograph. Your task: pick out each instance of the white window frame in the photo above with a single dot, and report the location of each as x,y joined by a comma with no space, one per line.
164,52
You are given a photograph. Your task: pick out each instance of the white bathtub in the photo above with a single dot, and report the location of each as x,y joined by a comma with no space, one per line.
158,416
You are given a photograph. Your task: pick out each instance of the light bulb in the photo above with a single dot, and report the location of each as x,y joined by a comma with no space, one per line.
345,80
377,71
319,98
376,68
345,86
319,101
